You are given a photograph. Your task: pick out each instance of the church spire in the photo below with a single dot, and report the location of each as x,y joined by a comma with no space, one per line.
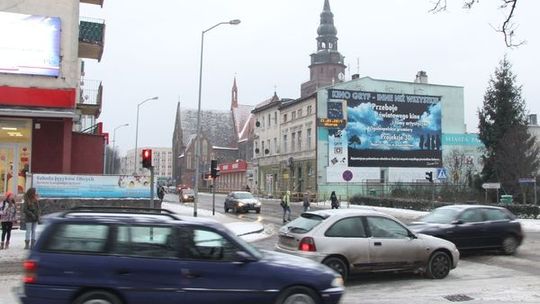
327,64
234,97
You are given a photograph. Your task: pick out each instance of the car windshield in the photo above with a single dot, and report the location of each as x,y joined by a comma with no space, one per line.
304,223
441,216
243,195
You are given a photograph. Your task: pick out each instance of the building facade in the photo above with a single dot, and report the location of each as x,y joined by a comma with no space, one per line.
47,106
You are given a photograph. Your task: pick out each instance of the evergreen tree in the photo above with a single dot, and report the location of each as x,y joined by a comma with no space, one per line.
511,152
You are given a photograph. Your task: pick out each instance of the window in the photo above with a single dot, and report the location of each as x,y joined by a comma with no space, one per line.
495,215
308,138
309,110
381,227
275,118
293,115
263,121
471,216
269,120
268,146
349,227
262,147
276,150
284,118
202,244
146,241
299,140
285,143
78,238
299,113
293,141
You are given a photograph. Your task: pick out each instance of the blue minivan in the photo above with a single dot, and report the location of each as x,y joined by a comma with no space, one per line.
142,256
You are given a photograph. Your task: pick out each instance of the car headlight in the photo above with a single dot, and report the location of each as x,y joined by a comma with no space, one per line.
258,203
240,204
337,282
185,196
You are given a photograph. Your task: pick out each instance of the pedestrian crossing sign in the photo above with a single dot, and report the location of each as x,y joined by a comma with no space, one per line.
442,173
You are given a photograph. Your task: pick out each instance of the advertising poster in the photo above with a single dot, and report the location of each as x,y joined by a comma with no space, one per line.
29,44
391,130
88,186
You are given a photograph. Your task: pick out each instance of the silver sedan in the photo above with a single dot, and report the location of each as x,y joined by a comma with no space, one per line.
357,240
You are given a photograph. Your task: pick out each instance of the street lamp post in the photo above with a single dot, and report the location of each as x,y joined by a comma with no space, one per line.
114,145
198,143
137,132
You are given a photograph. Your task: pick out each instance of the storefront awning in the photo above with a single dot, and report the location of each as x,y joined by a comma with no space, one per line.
39,112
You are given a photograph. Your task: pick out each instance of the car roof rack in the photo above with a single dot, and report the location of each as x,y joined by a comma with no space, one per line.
127,210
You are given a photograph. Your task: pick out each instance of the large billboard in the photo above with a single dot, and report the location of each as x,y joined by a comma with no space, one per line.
29,44
386,130
91,186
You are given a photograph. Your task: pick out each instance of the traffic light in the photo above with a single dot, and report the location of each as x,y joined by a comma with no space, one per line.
214,171
147,158
429,176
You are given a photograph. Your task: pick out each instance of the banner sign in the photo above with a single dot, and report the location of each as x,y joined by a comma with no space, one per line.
91,186
390,130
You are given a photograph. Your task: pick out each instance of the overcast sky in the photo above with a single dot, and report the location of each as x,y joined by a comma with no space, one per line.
152,48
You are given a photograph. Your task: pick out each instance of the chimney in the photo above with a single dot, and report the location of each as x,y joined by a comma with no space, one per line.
421,77
533,120
355,76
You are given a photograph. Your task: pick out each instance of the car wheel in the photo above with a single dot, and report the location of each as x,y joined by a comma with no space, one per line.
509,245
438,266
97,297
338,265
258,210
226,209
298,295
235,209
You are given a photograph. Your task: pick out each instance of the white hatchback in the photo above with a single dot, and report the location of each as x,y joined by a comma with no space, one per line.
357,240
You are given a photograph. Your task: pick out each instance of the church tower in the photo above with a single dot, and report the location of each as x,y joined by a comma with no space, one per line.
327,65
234,96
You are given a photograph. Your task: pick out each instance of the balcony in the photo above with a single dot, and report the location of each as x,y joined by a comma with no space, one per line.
91,38
96,2
90,97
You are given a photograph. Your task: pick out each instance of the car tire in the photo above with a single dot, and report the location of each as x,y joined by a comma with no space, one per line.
298,295
438,266
235,210
97,296
509,245
226,209
258,210
338,265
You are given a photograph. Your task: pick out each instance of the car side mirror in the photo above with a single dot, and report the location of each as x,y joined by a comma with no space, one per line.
457,222
243,257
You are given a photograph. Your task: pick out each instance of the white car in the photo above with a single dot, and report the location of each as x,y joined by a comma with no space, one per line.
356,240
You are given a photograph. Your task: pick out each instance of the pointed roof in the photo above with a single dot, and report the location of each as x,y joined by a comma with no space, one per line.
234,95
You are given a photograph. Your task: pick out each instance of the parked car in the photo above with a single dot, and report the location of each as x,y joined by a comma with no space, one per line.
356,240
186,195
241,201
473,227
141,256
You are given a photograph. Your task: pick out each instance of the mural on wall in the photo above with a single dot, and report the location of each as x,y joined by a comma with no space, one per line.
387,130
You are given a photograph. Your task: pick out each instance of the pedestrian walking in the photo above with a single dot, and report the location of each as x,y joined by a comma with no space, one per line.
286,205
333,200
306,203
161,193
8,216
31,212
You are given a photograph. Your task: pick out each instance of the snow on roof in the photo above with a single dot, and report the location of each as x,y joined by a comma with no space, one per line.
241,116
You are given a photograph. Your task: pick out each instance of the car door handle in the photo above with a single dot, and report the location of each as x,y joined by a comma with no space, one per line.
377,244
190,274
123,271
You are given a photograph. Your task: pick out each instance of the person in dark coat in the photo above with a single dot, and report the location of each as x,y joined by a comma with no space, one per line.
334,200
31,212
8,216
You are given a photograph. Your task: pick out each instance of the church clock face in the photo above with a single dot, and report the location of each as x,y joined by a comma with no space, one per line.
341,76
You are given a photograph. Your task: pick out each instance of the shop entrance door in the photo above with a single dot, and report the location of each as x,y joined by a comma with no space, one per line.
9,168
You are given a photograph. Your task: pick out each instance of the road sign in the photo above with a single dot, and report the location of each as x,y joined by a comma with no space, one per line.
491,185
527,180
442,173
347,175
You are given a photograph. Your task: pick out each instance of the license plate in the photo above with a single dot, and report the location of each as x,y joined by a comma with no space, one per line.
288,241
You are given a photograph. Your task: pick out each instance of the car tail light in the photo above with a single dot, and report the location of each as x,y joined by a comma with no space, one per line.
30,269
307,244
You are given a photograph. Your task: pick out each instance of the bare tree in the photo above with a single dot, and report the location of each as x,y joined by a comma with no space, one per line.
507,28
